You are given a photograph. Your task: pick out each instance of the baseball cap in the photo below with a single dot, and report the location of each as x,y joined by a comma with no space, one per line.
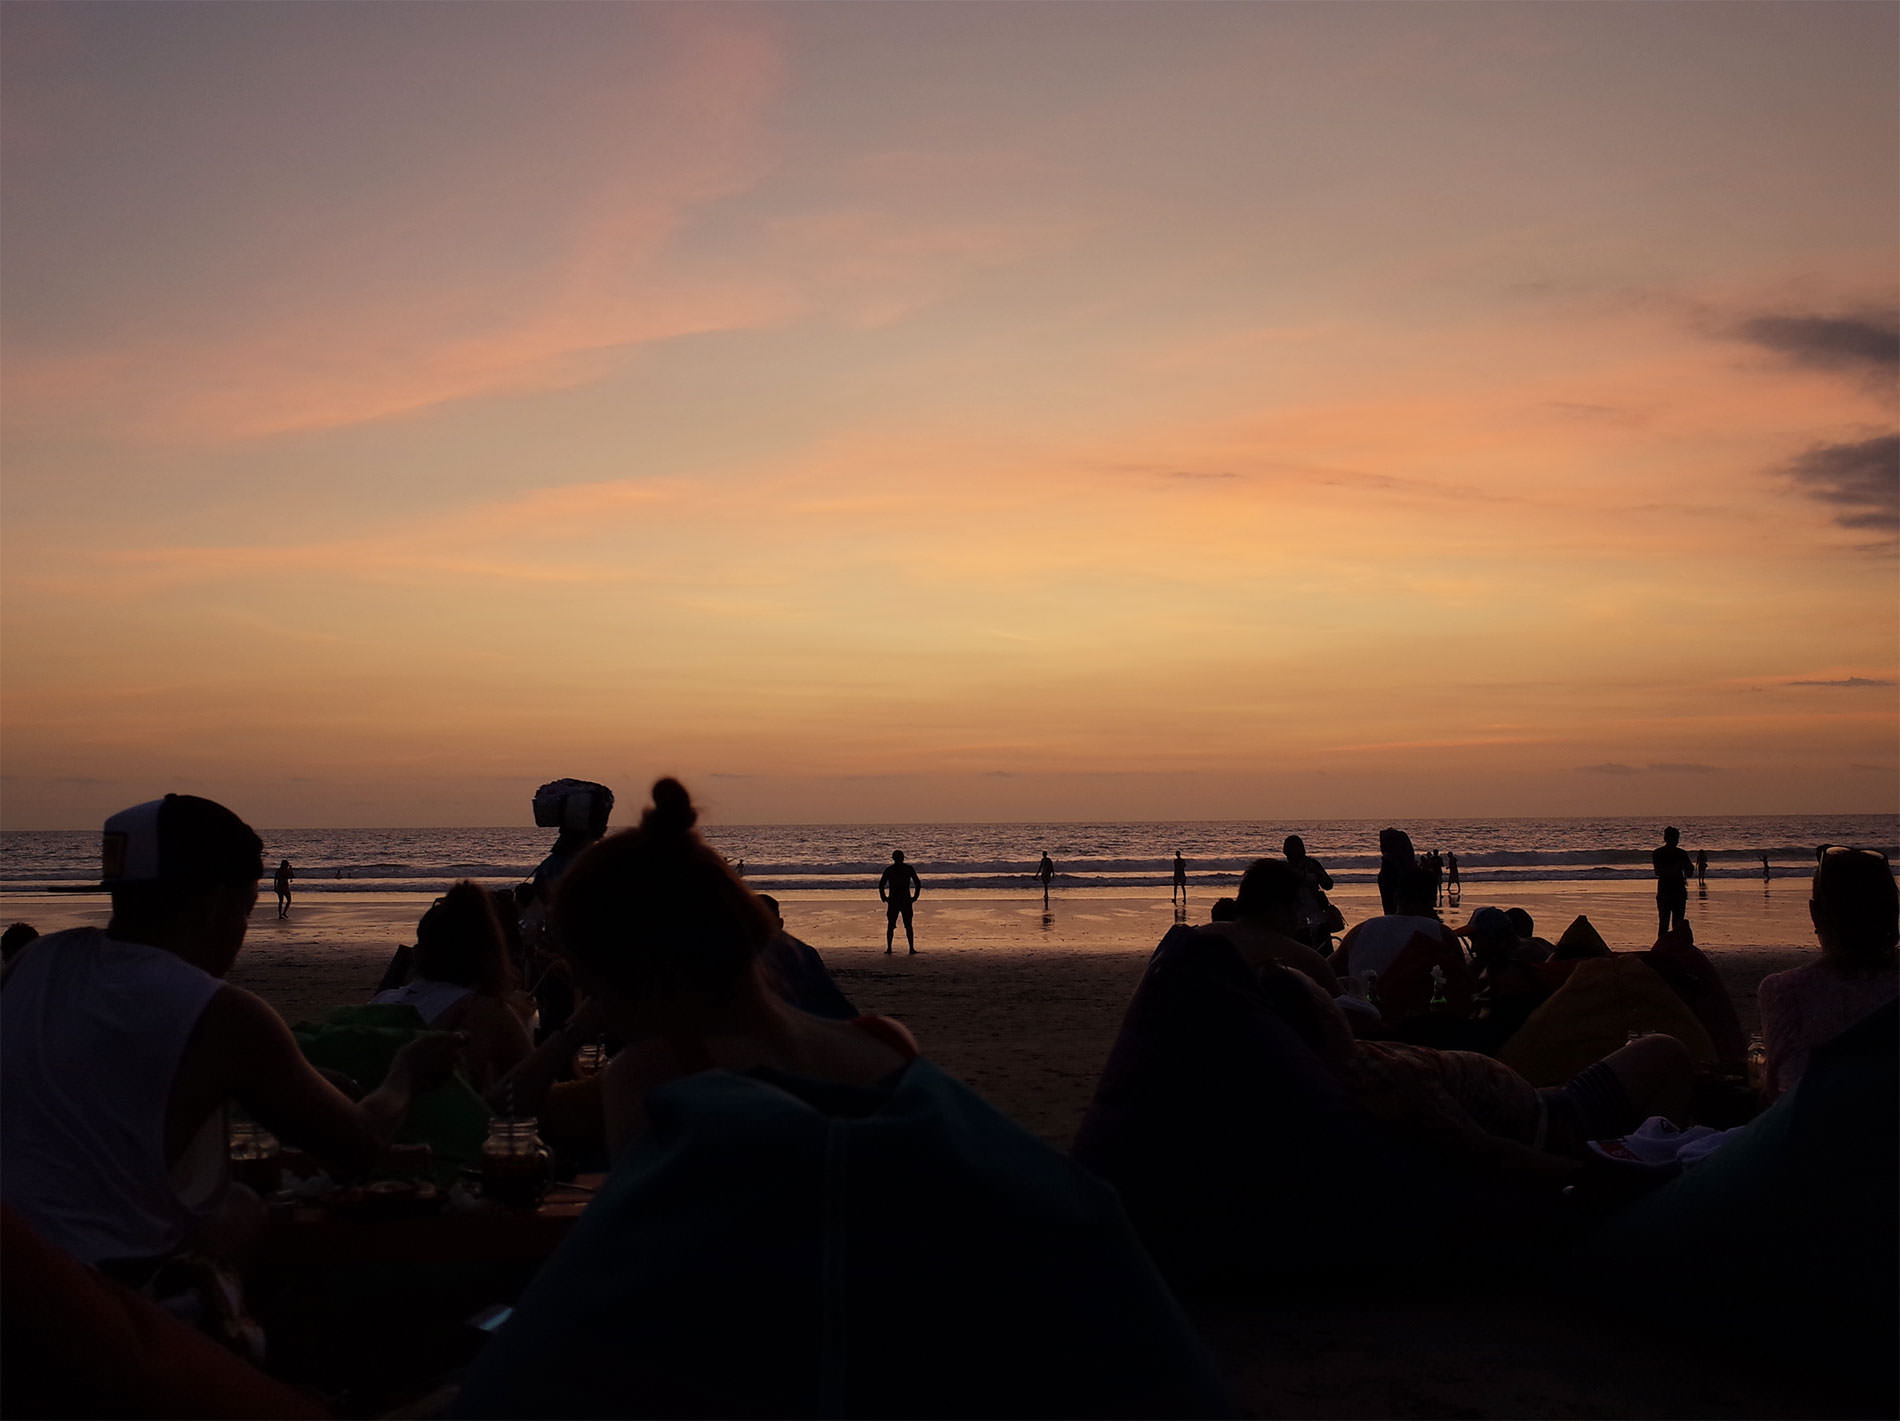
180,839
1489,922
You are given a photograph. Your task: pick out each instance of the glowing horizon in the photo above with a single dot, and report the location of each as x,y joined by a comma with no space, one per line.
941,412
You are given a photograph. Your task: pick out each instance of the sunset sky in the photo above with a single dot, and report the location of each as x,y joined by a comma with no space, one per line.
950,411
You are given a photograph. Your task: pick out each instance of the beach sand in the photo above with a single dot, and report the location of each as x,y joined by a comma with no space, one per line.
1020,1003
1024,1004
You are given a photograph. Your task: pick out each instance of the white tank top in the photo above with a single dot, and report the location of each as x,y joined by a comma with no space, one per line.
91,1032
430,999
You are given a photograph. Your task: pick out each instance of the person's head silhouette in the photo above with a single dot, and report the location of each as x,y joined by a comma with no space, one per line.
1294,847
897,855
1670,835
1856,907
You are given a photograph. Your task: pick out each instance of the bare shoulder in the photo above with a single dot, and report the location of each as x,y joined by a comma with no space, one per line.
232,1011
478,1011
639,1067
889,1032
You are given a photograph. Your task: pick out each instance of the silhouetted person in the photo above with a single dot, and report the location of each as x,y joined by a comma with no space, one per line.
1397,864
1701,866
1673,868
1180,878
15,938
899,888
798,972
580,810
1856,914
1314,883
120,1048
1764,867
1453,888
281,883
1045,871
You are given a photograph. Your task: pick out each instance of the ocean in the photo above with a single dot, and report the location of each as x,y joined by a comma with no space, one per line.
794,857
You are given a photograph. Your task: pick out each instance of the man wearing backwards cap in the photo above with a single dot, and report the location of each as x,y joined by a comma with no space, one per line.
120,1049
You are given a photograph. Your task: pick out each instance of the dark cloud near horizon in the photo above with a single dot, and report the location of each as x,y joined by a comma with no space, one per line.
1861,479
1845,681
1661,767
1868,343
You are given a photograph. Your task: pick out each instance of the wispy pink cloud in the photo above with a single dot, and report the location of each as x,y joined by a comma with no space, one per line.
348,354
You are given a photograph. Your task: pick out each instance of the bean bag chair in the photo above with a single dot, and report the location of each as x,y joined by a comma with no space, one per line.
1592,1014
1581,939
77,1344
1787,1239
1241,1160
362,1041
1693,978
786,1247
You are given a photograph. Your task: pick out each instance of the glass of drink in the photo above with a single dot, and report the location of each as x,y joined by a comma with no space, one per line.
256,1159
516,1167
1757,1062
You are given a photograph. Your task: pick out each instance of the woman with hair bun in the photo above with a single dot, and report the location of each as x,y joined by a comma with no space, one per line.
668,941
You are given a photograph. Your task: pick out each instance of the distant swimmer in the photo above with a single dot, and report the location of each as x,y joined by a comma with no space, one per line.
1045,871
281,882
1673,868
1180,878
1701,866
899,888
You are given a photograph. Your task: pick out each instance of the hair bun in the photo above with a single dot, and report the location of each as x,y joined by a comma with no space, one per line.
672,811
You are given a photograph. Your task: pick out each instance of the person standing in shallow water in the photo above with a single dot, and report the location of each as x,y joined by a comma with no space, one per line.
281,883
1673,867
1045,871
1180,878
899,887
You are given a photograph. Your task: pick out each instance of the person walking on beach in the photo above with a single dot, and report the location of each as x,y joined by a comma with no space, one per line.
1045,871
1673,868
1453,888
1701,867
1180,879
899,888
281,883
